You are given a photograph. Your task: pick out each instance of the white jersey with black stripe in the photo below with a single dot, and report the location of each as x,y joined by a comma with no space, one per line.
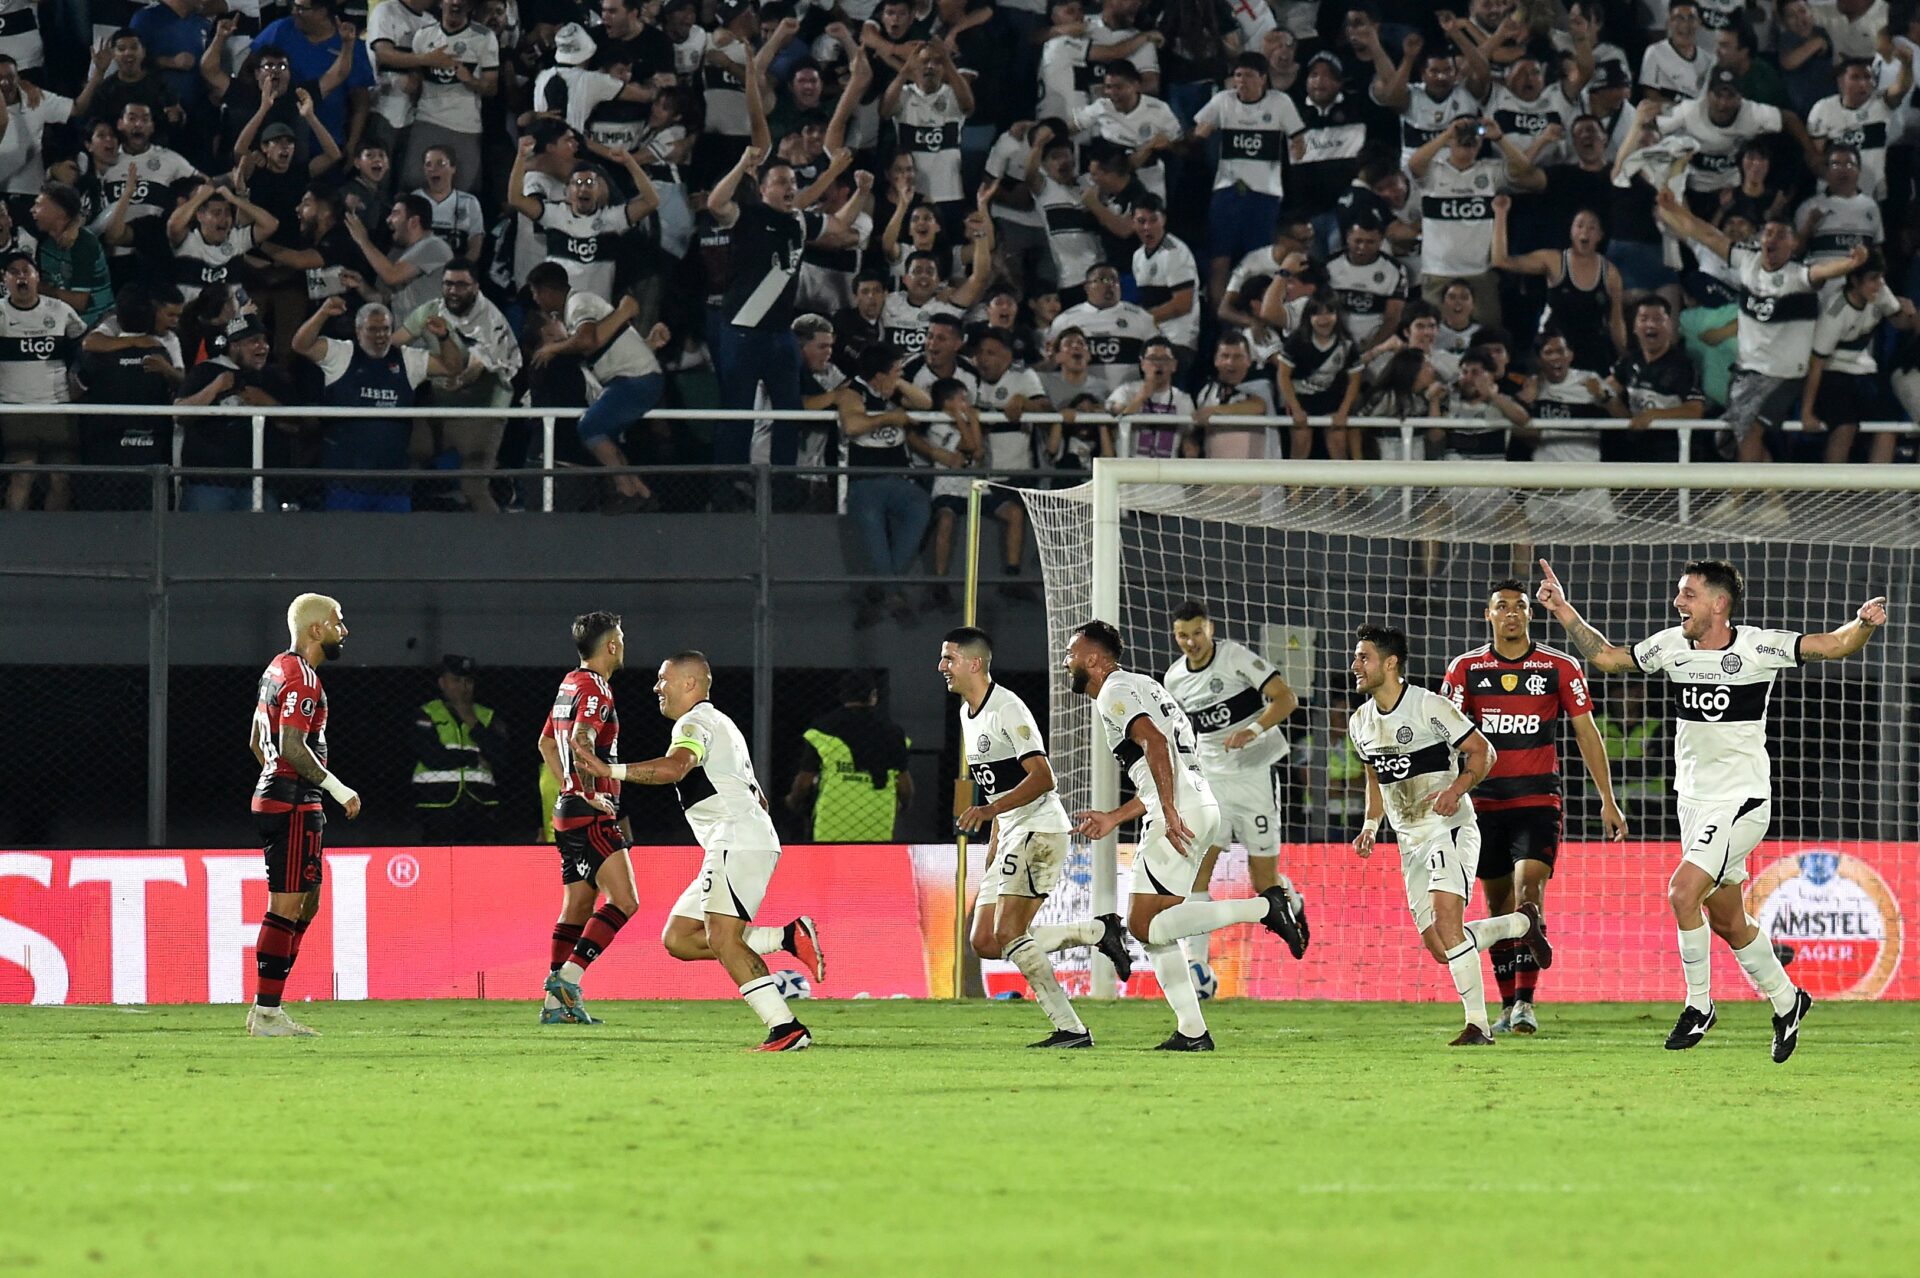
1720,699
1414,752
721,798
1000,737
1222,697
1126,696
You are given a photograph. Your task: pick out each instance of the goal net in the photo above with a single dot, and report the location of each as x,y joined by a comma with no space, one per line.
1288,559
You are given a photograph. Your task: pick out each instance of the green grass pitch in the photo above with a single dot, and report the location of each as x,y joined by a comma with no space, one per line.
918,1139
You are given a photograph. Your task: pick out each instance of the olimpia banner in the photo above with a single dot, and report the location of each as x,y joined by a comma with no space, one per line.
178,926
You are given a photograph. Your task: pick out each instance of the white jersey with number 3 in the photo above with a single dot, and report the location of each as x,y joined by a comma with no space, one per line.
1127,696
1720,699
719,793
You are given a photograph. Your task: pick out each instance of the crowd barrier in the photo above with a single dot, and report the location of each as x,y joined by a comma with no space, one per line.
178,926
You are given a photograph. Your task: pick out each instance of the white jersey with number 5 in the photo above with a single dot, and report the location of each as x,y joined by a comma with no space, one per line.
1720,699
1414,752
721,798
1221,698
1127,696
999,740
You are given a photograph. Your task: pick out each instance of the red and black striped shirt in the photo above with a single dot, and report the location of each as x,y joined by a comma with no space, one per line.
1517,705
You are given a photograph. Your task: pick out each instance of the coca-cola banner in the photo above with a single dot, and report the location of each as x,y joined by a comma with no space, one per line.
435,922
1841,908
421,922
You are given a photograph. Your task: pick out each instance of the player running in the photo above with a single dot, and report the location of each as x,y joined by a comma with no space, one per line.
1516,691
1412,741
1236,702
1007,756
593,848
711,771
289,738
1723,677
1150,735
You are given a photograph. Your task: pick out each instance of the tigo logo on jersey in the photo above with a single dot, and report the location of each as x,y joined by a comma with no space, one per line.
1840,917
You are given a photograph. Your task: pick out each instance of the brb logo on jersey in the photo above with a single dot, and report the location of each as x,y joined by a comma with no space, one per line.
1839,915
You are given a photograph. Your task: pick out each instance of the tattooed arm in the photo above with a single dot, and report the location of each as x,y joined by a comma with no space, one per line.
1593,645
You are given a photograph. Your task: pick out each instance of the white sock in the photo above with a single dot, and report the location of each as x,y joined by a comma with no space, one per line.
551,1002
1176,982
764,940
1484,933
1190,918
571,972
1463,961
1696,960
1027,954
1054,937
1199,946
764,998
1762,967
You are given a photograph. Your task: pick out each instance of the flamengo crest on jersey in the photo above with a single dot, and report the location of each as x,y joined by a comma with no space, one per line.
1517,704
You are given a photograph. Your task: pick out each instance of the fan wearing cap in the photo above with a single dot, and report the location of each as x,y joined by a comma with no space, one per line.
1326,156
1722,122
574,91
39,339
241,378
457,744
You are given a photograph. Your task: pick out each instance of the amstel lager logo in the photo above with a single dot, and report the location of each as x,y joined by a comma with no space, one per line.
1840,917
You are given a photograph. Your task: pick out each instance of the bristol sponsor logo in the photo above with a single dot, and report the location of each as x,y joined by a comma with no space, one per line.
1839,915
1493,723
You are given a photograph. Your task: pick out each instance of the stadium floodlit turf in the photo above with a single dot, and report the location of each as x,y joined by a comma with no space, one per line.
917,1138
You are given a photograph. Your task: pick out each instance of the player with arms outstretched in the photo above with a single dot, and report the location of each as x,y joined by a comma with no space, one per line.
1007,758
585,732
1236,701
1149,734
289,739
708,765
1516,691
1412,742
1722,676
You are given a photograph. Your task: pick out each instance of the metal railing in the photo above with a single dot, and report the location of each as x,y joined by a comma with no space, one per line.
1410,431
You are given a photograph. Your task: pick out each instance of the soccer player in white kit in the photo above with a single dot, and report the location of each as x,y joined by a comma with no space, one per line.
708,765
1007,758
1236,701
1412,741
1722,675
1149,734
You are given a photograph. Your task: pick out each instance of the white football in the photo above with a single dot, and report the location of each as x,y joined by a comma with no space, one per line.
1205,983
792,985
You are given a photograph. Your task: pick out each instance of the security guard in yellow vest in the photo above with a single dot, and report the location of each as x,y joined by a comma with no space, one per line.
457,744
857,761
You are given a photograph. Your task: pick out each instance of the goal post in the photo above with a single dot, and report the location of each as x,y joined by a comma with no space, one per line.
1289,557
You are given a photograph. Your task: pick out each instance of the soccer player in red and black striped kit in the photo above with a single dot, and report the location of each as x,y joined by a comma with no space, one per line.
289,738
1515,691
584,748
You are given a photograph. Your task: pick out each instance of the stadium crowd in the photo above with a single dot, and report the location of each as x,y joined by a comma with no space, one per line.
1516,218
